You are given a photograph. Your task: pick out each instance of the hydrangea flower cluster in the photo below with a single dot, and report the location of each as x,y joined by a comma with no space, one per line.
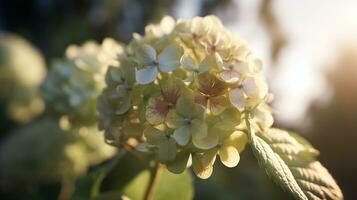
22,69
181,93
74,83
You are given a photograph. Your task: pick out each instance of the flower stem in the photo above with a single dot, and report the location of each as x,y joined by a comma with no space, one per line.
247,123
155,175
67,189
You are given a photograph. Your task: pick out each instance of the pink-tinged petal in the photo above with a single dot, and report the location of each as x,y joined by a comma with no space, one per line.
171,89
209,85
201,100
218,104
156,111
237,99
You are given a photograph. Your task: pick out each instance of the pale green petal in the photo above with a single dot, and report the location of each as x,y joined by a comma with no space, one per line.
174,120
188,63
132,130
228,119
113,73
208,142
180,163
123,105
198,129
202,164
198,112
186,107
190,78
236,97
263,116
146,75
145,54
167,150
154,136
120,91
229,156
208,63
182,135
170,58
127,67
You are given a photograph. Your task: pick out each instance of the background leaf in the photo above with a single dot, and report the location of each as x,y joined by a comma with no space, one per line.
170,186
290,163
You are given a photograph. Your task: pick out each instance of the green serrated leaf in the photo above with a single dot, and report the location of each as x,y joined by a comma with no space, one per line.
288,162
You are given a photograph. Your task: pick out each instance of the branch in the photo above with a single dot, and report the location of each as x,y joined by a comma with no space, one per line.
155,175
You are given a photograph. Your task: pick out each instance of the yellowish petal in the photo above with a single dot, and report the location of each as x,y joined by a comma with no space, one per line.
202,164
229,156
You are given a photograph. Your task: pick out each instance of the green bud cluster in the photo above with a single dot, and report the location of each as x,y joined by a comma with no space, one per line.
74,83
181,93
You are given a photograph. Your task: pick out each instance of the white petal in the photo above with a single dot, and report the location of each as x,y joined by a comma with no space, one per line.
145,54
262,115
255,87
182,135
146,75
188,63
167,24
170,58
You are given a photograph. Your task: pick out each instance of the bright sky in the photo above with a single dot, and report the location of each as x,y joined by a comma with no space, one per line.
315,30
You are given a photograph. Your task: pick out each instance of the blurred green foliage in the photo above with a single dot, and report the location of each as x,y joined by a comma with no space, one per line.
35,158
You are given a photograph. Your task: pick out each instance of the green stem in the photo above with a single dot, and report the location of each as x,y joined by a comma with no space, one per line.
247,123
67,189
155,174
